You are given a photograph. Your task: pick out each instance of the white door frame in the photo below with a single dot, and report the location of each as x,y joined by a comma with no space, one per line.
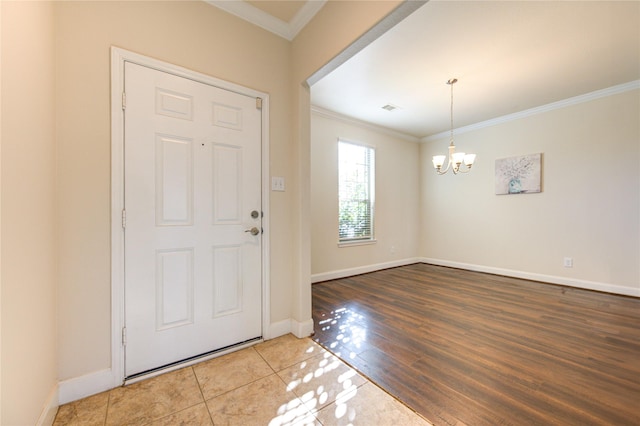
118,58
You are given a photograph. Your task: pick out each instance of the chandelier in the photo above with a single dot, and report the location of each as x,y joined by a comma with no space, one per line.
456,159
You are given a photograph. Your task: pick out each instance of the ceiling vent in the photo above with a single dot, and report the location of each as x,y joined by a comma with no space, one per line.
389,107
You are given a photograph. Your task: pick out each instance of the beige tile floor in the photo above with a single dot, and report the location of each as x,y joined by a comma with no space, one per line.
284,381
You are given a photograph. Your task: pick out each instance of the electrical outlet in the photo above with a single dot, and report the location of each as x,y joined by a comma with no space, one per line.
568,262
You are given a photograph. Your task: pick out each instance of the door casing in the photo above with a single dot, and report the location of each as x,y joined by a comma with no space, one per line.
118,58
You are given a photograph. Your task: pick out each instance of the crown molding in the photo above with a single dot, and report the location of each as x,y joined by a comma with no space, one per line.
304,15
603,93
262,19
355,122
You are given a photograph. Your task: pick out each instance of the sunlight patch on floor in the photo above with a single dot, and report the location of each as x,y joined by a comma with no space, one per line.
352,332
293,413
319,396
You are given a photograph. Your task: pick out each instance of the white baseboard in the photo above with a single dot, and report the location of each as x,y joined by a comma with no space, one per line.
87,385
101,381
50,409
277,329
298,329
588,285
342,273
302,329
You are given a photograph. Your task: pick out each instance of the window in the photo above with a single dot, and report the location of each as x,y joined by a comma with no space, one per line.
356,178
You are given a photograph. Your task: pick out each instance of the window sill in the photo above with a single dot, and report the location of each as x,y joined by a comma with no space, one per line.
356,243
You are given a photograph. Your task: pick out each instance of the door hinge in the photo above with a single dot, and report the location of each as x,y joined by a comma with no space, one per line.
124,336
124,219
124,101
258,103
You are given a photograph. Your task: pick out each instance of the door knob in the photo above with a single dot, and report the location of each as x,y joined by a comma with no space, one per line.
253,231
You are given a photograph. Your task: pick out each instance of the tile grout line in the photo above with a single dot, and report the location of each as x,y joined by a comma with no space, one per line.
313,351
295,395
155,419
294,363
106,411
273,372
261,357
201,392
310,411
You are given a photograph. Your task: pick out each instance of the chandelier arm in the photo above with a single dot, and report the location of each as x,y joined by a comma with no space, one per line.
446,169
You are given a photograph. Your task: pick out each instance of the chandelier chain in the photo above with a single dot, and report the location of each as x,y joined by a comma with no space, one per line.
451,115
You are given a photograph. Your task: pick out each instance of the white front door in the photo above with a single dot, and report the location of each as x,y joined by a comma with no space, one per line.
192,156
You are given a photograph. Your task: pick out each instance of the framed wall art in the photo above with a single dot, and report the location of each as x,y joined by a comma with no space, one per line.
518,175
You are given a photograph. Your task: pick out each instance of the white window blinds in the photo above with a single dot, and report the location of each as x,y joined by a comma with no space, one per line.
356,191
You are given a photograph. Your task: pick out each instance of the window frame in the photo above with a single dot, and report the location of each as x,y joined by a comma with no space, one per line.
371,171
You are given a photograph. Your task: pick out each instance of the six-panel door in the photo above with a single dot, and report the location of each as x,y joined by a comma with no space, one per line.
192,180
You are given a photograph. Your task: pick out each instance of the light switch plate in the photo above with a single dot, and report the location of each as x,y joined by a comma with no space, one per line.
277,183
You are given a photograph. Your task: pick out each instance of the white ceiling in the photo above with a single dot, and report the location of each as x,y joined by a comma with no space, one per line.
508,56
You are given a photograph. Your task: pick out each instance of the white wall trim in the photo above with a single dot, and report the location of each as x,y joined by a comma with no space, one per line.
116,372
83,386
603,93
571,282
1,287
269,22
279,328
302,329
118,58
362,124
50,409
551,279
298,329
254,15
304,15
266,219
349,272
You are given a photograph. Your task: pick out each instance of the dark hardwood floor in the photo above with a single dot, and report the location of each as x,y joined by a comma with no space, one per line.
467,348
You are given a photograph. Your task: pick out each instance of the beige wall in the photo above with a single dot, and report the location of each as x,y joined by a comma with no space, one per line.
75,38
337,26
589,208
397,195
200,37
29,304
58,87
190,34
